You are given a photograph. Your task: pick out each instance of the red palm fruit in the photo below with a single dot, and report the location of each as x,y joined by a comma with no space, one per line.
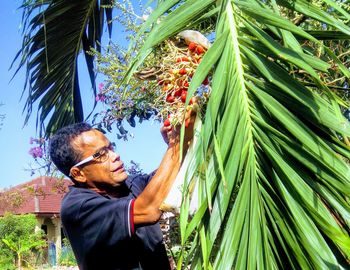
182,59
183,96
182,83
170,98
160,82
183,71
192,46
206,81
200,49
197,60
166,122
178,92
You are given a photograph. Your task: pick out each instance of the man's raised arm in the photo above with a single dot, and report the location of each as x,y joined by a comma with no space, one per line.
146,206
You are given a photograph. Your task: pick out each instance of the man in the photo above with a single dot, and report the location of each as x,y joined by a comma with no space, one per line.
109,217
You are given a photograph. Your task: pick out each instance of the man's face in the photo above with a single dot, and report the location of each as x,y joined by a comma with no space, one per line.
99,174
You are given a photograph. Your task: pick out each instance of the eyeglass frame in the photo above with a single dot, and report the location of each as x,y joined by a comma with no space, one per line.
95,156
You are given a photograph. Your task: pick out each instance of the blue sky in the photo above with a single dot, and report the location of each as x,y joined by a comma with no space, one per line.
146,148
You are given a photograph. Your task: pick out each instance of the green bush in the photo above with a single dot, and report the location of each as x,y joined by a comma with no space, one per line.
67,257
7,260
19,243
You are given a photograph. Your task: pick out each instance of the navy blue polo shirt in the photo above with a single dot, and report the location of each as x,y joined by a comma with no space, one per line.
102,234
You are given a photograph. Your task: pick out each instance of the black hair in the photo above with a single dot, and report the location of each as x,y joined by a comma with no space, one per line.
62,152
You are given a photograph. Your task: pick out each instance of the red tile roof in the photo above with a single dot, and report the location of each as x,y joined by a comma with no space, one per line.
41,196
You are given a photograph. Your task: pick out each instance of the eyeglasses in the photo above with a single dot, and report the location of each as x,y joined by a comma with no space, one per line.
100,156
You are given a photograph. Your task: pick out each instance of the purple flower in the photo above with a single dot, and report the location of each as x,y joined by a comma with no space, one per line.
31,140
100,97
100,87
134,168
129,102
36,152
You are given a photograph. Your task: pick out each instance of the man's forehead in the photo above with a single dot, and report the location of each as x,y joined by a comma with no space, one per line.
92,137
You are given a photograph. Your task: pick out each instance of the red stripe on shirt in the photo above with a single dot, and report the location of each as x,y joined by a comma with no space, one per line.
132,217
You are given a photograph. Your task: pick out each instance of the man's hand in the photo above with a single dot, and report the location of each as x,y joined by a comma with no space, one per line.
165,131
171,135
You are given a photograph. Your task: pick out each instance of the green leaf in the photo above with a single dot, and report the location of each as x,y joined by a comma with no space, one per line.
316,13
271,167
50,55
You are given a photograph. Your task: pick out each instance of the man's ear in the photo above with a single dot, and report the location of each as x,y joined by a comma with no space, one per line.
78,175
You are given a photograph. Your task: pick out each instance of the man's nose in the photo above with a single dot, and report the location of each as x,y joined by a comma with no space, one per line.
114,156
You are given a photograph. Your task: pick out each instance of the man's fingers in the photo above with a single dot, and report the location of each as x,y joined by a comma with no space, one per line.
167,128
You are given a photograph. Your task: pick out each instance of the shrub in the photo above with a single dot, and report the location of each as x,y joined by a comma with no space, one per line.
19,241
67,256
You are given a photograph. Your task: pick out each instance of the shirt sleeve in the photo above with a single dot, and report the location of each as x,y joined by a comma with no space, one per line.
106,220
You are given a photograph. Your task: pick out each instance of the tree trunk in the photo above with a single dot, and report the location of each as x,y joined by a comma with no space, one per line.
19,265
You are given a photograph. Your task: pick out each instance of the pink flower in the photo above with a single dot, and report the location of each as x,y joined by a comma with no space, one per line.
36,152
100,87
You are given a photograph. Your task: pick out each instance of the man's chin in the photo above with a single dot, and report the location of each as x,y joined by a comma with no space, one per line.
121,179
125,176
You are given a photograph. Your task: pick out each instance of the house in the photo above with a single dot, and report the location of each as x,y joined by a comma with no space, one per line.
41,196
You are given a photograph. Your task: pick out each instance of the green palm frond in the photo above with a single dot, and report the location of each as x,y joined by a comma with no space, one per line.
271,165
55,33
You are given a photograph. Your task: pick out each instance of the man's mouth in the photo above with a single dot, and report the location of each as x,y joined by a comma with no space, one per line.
120,168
